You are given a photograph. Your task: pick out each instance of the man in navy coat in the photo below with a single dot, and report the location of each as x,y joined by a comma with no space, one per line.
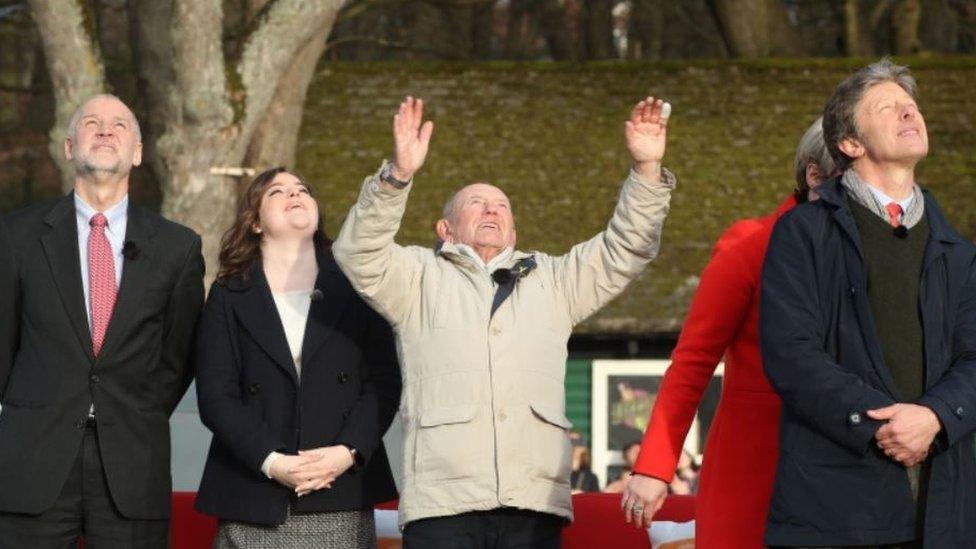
868,333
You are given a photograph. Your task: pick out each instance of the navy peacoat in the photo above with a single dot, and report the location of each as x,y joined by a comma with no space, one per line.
820,352
251,397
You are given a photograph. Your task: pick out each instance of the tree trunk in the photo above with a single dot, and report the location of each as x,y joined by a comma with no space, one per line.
755,28
75,67
552,25
905,17
276,138
596,29
646,29
207,122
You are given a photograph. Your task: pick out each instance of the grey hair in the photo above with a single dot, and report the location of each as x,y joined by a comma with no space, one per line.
838,119
76,116
811,150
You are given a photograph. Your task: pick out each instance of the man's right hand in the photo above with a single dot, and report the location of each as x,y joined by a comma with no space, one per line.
411,138
648,494
282,469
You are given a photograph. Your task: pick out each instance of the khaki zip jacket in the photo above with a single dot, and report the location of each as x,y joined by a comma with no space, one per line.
483,406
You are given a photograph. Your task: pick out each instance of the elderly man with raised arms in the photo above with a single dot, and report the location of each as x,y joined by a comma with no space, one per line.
481,331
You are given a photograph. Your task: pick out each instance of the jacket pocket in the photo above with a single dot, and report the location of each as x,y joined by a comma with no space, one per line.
448,444
549,441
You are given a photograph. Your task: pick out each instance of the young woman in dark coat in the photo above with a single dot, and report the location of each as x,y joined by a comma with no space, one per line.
298,380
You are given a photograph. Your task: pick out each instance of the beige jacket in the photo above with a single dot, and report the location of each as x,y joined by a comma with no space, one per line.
483,408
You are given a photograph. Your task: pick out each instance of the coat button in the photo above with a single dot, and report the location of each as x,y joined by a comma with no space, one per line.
253,388
345,414
854,418
80,424
852,291
343,377
94,378
960,411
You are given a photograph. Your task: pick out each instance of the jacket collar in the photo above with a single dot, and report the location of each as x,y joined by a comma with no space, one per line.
451,252
60,245
258,313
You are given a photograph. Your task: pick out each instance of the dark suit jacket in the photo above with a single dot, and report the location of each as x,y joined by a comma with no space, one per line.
251,398
49,377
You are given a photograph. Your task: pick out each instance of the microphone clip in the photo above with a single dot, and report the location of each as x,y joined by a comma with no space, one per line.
130,250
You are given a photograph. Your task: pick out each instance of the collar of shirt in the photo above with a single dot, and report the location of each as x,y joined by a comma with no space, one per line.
884,199
117,216
498,260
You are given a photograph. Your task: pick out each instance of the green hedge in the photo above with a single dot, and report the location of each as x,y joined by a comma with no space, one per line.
551,136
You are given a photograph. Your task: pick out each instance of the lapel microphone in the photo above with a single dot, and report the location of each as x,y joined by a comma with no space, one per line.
130,250
522,268
316,295
900,231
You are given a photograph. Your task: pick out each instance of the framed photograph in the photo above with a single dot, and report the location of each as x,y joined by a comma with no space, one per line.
623,395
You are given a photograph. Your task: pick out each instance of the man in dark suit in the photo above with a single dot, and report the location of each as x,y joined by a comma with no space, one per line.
98,301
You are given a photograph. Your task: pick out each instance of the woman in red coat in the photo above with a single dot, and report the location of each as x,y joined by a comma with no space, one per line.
740,454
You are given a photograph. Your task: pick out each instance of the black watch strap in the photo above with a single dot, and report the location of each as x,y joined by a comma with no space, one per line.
386,175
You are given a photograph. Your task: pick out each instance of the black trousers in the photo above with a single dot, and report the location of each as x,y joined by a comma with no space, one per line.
504,528
83,509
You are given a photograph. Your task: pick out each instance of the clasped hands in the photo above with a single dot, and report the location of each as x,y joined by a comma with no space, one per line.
907,433
312,470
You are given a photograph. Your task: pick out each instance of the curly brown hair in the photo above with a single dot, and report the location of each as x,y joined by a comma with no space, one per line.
240,247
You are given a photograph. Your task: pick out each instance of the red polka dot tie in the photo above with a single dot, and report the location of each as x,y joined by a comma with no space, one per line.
894,213
101,280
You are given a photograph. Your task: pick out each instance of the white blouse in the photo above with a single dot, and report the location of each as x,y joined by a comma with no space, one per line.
293,311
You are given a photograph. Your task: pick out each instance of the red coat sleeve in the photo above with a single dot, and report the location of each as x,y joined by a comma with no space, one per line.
721,303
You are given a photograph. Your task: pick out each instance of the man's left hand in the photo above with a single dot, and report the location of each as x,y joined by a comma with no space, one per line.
646,133
908,432
333,462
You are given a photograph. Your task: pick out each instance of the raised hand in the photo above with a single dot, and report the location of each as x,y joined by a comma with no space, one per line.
643,497
411,138
646,133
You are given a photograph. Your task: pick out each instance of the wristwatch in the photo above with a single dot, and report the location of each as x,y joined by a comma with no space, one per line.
386,175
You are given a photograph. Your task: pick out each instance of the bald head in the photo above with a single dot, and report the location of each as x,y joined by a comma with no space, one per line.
479,215
102,98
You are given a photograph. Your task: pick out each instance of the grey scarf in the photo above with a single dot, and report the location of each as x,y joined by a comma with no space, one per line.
860,192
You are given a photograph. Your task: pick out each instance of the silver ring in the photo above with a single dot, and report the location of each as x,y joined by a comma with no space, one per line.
637,509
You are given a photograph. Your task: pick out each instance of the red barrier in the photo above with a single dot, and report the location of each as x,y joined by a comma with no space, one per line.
599,522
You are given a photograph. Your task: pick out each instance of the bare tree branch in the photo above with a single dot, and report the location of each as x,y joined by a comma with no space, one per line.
74,64
200,78
288,27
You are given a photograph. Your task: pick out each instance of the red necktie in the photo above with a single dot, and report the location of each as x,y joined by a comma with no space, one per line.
894,214
101,280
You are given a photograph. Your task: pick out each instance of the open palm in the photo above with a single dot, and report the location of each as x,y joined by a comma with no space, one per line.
411,138
646,130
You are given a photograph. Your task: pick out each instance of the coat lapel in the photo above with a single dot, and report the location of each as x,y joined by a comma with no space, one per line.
61,248
138,266
258,313
325,311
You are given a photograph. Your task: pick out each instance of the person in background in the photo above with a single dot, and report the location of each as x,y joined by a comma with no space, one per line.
629,451
741,450
297,378
582,478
